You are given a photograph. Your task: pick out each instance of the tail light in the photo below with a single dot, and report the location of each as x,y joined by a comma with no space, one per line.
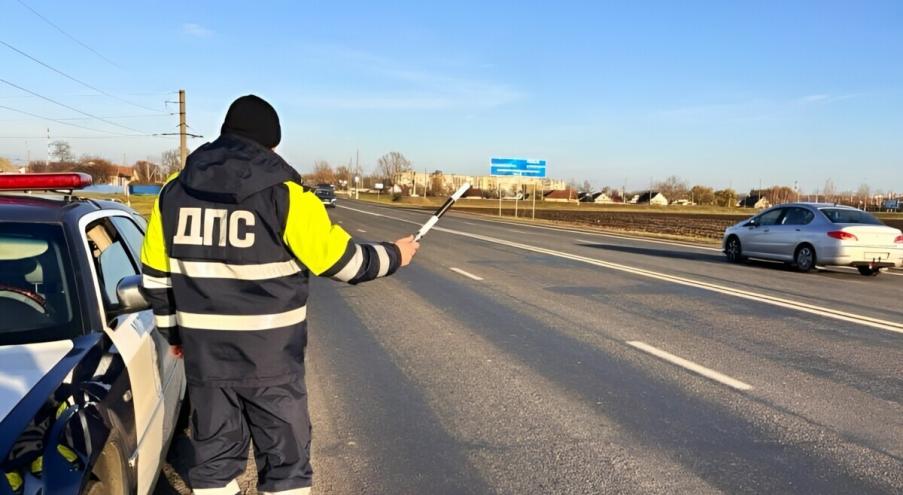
899,239
843,236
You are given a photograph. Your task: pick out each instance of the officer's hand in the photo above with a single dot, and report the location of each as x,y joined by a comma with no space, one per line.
408,247
176,351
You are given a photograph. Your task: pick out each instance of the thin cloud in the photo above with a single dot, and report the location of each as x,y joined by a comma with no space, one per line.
406,88
197,30
753,109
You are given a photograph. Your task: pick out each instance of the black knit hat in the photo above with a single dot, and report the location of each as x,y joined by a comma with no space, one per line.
252,117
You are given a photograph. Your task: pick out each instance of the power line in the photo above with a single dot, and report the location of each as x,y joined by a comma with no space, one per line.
110,122
95,52
84,137
142,116
79,81
58,121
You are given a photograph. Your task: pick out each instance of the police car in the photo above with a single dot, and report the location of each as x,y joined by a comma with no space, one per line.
89,392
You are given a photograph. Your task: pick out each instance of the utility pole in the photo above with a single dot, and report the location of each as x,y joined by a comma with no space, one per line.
183,132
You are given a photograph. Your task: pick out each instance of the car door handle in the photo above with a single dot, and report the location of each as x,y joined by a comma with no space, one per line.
798,230
766,230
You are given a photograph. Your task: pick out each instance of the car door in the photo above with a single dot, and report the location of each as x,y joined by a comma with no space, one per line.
132,336
759,241
171,368
788,234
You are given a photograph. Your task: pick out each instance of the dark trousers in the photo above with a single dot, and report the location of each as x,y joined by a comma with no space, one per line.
225,420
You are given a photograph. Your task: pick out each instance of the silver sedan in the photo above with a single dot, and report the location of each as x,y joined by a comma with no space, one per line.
806,234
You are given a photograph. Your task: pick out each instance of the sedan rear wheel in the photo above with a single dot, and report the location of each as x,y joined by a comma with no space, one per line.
734,250
804,258
869,271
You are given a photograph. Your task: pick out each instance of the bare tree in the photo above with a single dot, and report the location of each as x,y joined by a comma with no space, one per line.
38,166
864,194
726,197
60,151
673,188
343,173
830,191
587,187
391,165
702,195
148,172
99,169
170,161
437,183
322,174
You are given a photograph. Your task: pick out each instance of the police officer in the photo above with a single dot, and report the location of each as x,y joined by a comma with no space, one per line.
231,242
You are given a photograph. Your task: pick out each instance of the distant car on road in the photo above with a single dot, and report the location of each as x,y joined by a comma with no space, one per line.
810,234
326,193
89,392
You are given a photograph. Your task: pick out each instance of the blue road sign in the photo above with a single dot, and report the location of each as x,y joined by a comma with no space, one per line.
518,167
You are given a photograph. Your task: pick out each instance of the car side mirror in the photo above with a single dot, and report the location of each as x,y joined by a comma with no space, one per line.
751,223
131,299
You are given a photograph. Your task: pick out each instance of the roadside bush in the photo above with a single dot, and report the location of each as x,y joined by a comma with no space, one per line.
396,196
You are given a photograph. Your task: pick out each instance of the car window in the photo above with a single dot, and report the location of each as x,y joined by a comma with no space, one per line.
843,215
133,235
38,301
770,217
111,259
797,216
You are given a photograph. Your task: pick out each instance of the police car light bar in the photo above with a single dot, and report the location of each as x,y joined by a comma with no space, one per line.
45,182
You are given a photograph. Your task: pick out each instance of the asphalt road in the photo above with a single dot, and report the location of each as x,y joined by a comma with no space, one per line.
513,359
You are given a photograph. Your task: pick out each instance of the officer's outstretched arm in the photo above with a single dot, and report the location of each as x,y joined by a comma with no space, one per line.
155,279
326,249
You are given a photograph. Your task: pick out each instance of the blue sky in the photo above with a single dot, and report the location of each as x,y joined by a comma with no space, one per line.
719,93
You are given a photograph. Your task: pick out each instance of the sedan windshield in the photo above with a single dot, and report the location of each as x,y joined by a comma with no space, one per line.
37,292
843,215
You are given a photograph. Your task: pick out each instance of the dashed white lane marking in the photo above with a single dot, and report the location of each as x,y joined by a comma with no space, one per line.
690,365
858,319
466,274
517,231
362,231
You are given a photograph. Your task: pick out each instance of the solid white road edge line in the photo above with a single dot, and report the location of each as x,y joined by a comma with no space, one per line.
573,231
690,365
730,291
466,274
362,231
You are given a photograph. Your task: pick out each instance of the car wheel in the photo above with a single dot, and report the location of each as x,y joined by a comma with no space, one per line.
109,474
734,250
868,271
804,258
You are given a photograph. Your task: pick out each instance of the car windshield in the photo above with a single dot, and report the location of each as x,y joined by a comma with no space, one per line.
37,292
843,215
325,192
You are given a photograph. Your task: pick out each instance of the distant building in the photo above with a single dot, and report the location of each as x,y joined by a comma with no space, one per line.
450,182
654,198
602,198
123,177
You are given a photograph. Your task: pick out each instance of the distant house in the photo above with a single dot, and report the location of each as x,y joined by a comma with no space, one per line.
683,202
754,201
123,176
602,198
654,198
561,195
